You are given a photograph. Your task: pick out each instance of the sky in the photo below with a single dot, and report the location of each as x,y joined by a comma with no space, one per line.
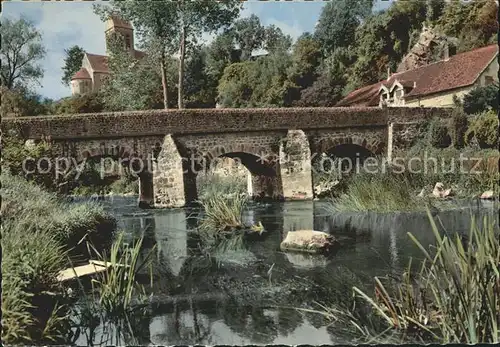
67,23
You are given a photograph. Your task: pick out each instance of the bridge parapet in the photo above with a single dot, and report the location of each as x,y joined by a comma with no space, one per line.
196,121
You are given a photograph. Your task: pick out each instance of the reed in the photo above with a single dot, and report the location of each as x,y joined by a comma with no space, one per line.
223,213
452,297
118,287
378,193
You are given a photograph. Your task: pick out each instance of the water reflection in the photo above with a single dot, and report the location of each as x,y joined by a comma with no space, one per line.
198,300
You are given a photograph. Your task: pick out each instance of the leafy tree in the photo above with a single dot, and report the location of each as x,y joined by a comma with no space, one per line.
249,35
306,58
20,52
221,53
132,84
237,84
481,99
196,17
155,24
338,22
484,129
72,63
87,103
22,102
275,40
201,87
180,22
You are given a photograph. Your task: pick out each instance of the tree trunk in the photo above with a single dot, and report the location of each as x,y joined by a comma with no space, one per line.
182,55
164,82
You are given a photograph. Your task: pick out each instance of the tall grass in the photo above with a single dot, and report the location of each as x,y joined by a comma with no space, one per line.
454,297
378,193
31,263
214,185
223,213
38,232
117,287
35,209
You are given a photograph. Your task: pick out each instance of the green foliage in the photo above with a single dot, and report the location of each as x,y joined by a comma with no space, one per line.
86,103
125,185
38,232
212,184
338,22
22,102
117,287
249,35
133,84
20,53
30,265
474,23
481,99
459,126
454,298
72,63
31,207
483,129
379,193
440,137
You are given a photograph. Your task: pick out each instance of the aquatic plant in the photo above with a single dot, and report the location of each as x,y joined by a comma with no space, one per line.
117,286
222,212
38,232
379,193
31,263
454,297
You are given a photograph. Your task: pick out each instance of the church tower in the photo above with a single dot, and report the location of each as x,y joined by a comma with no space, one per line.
115,25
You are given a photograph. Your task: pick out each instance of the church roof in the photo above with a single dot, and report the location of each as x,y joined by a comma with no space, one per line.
460,70
81,74
99,63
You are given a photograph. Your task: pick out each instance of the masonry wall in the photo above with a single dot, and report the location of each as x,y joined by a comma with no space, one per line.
206,121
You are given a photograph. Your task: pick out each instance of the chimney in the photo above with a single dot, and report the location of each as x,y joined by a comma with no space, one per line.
388,73
446,53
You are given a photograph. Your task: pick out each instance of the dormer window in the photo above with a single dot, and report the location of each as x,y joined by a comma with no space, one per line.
127,41
488,80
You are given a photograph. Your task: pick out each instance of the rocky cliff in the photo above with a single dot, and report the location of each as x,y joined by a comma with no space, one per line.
430,47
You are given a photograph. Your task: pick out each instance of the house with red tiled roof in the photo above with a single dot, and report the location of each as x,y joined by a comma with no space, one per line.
432,85
94,66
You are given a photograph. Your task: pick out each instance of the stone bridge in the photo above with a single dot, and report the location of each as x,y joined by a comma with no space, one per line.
168,148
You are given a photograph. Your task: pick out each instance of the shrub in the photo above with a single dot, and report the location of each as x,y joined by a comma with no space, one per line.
31,207
87,103
440,136
484,129
459,126
481,99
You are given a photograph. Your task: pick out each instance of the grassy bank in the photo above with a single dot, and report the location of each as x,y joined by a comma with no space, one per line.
407,184
38,233
453,296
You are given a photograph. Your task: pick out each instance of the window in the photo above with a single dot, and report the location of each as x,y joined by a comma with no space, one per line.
127,41
488,80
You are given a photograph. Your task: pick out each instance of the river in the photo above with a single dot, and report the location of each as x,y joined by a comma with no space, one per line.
248,297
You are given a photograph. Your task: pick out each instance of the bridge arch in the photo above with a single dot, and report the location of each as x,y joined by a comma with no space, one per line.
261,163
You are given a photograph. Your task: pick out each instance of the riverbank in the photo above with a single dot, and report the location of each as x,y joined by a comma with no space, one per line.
42,235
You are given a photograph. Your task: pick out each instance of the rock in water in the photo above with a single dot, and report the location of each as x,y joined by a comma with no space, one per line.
488,195
309,241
